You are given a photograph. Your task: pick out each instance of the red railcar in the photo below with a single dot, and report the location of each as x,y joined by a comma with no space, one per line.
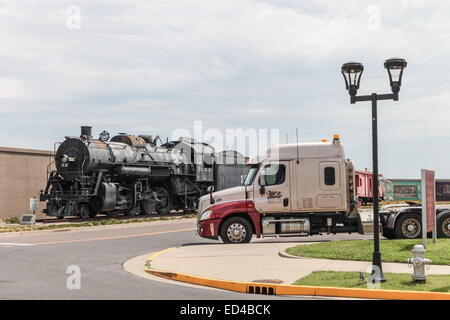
364,186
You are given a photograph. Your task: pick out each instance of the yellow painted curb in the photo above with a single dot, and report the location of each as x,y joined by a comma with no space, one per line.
282,289
221,284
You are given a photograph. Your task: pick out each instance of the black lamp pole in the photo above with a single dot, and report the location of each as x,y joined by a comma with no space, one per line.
352,74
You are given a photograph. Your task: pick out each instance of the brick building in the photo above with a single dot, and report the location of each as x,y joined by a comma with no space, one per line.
23,173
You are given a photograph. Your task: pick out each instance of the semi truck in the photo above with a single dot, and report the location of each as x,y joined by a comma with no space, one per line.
301,189
290,190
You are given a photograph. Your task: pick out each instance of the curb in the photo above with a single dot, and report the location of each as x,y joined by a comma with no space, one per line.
284,254
280,289
283,289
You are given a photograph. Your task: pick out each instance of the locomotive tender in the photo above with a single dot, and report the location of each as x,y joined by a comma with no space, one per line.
130,175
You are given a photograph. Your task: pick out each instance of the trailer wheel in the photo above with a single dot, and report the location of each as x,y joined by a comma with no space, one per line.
85,211
443,225
236,230
408,226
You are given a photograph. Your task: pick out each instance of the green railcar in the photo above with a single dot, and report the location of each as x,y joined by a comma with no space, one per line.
406,189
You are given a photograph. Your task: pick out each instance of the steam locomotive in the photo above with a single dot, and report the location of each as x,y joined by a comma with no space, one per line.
133,175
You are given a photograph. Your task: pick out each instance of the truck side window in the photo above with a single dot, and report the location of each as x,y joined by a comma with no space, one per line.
330,176
274,174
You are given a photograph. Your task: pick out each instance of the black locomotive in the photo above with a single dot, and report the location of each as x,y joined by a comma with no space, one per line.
133,175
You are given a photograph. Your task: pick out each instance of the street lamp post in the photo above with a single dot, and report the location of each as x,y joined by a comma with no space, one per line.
352,72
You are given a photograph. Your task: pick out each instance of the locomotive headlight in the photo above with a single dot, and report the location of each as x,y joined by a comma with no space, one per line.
65,159
206,215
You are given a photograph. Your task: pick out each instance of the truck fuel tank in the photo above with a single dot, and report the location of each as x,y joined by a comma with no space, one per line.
290,226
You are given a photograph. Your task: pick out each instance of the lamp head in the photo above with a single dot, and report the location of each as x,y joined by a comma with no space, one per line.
395,68
352,72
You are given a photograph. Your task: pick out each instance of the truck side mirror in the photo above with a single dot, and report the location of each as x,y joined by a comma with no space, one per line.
262,180
262,183
210,191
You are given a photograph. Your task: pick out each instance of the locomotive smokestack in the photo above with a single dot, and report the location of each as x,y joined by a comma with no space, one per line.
86,131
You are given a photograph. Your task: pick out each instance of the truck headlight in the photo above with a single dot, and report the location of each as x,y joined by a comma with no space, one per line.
206,215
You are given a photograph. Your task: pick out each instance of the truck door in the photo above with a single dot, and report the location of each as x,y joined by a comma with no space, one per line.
274,195
332,191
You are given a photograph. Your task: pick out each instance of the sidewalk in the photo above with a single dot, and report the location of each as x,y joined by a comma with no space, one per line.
259,262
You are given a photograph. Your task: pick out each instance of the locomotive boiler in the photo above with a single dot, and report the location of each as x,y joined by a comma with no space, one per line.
127,175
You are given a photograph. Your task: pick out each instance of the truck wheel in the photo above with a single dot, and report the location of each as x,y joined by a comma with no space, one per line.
408,226
85,211
236,230
443,225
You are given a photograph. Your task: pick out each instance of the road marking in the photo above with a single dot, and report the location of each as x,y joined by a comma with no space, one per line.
9,244
115,237
153,256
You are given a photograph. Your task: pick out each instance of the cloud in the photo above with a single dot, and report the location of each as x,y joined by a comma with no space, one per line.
152,67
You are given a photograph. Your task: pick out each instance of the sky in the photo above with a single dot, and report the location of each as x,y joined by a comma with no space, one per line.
155,67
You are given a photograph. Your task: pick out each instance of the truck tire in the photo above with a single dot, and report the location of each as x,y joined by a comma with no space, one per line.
408,226
236,230
443,225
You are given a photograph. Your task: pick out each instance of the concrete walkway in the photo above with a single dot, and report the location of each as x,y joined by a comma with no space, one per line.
259,261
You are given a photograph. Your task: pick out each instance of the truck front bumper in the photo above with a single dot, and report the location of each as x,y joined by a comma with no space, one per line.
209,228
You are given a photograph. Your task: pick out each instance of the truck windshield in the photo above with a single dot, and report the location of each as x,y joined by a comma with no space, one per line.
251,175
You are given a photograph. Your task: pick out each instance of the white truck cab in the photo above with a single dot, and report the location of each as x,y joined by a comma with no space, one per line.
292,189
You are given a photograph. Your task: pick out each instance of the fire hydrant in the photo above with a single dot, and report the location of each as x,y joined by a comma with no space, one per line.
419,262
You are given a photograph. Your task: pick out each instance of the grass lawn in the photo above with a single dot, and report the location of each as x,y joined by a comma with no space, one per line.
361,250
395,281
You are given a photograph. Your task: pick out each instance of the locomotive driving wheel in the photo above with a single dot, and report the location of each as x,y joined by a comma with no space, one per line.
164,202
132,211
85,211
192,206
95,205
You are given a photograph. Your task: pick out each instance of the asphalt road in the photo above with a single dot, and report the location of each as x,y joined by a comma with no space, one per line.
33,265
